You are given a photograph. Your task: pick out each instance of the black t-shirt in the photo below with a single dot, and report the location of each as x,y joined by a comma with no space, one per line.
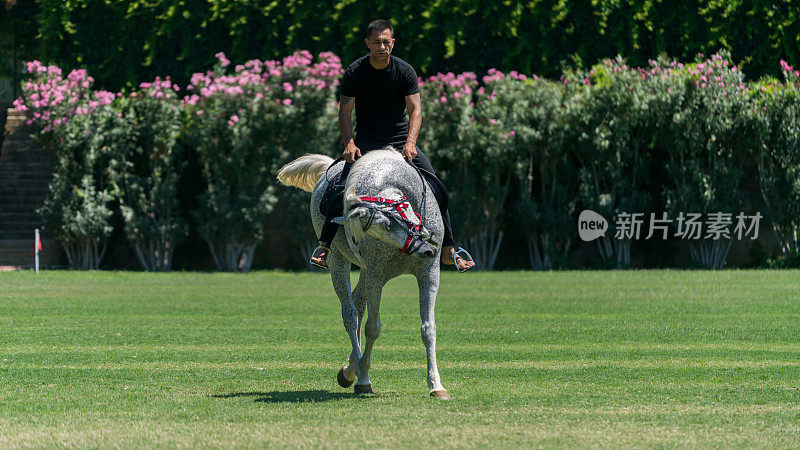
380,97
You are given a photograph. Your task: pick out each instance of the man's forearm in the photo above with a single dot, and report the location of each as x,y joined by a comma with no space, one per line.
414,123
346,118
345,126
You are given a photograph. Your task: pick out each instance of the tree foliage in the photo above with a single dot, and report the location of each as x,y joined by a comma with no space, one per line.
122,43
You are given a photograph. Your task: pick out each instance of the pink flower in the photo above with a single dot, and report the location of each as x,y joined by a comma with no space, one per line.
287,101
222,59
443,99
493,121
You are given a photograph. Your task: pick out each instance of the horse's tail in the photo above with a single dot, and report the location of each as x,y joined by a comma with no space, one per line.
305,171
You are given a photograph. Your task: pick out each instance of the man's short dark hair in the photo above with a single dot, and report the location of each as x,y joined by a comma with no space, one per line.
379,25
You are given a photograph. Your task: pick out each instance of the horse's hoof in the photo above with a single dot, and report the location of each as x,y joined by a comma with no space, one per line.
364,389
441,394
343,381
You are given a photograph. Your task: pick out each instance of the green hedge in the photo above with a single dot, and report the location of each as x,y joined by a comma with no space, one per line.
521,156
121,43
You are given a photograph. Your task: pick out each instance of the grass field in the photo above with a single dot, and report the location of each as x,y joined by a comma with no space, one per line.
564,359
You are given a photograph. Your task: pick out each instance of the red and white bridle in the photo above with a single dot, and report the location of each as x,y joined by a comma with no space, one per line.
397,210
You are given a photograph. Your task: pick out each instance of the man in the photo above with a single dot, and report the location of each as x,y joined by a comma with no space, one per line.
381,87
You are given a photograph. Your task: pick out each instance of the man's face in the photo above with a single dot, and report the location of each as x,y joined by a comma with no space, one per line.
380,45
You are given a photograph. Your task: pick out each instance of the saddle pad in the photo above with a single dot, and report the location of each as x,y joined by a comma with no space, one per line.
331,194
334,191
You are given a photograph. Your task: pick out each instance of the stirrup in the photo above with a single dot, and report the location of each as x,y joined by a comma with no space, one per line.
458,254
319,250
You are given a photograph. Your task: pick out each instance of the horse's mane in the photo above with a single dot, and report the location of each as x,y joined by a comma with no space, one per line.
358,170
363,164
385,153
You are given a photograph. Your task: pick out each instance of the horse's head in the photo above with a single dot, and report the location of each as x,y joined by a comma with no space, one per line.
392,221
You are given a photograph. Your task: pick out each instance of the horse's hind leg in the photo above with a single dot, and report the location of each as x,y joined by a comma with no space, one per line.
340,276
428,282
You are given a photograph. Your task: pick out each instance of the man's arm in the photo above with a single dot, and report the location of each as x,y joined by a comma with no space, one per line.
414,108
346,105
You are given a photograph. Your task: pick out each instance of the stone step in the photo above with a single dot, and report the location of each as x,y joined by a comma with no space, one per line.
23,157
20,229
23,233
19,143
25,172
28,208
40,166
23,195
24,183
14,217
8,197
20,221
28,201
20,252
38,175
15,122
25,166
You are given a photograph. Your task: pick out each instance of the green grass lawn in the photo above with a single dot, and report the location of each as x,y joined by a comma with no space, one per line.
636,358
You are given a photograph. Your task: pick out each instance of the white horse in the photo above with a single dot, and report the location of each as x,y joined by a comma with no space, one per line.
388,207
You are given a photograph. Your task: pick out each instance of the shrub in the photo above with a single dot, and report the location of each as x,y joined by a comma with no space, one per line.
71,120
244,125
146,170
714,130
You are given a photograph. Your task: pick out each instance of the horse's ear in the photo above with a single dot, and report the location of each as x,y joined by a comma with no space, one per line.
355,214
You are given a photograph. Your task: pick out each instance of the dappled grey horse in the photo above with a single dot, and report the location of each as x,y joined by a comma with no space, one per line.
392,226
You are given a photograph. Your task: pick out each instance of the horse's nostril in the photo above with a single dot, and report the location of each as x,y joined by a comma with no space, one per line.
429,253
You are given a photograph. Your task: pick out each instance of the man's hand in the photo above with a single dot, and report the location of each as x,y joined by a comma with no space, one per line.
351,152
409,151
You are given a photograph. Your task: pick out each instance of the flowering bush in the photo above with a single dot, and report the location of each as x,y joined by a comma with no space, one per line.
146,169
714,130
491,163
779,160
616,104
246,124
65,116
78,207
51,100
543,144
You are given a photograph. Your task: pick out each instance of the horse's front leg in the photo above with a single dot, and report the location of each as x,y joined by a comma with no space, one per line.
360,301
340,276
428,282
372,329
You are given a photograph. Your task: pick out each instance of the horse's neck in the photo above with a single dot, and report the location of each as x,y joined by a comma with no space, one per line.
396,180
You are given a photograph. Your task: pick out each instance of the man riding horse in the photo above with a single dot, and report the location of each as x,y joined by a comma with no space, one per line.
381,87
